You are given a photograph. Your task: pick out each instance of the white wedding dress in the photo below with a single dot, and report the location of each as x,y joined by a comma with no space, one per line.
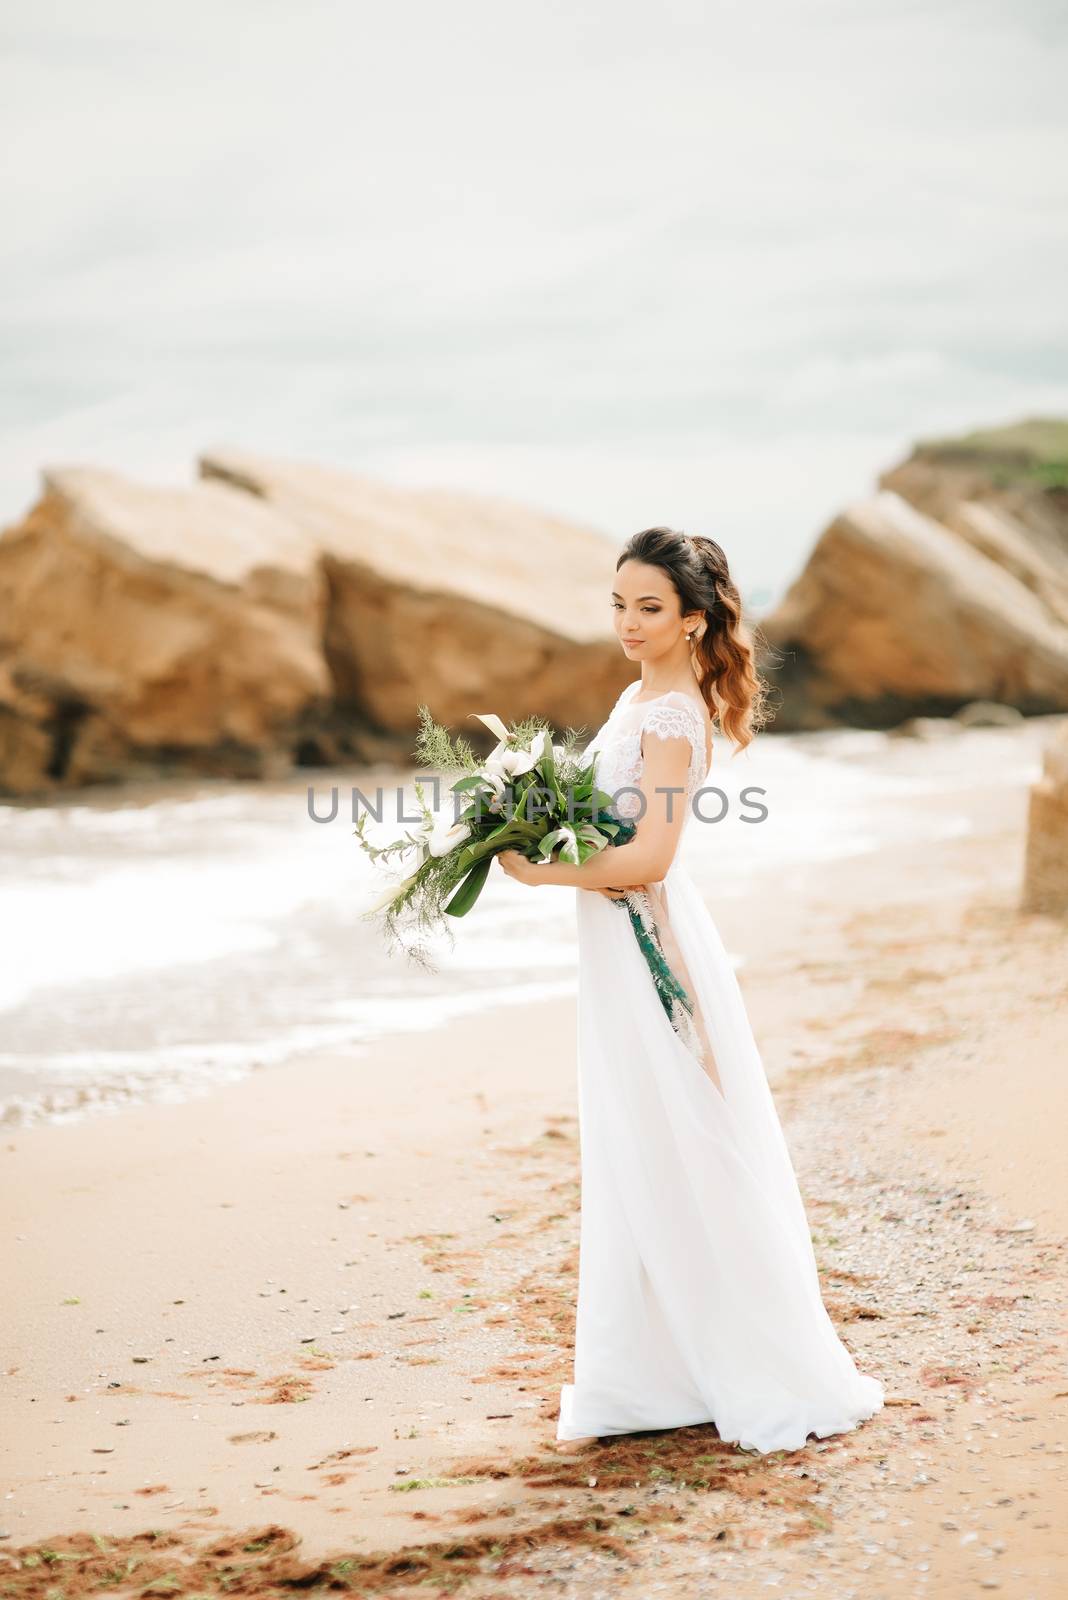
698,1297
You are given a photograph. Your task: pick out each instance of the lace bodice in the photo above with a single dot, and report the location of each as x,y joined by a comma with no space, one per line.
617,743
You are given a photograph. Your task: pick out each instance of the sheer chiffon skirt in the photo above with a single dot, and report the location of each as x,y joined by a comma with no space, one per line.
699,1298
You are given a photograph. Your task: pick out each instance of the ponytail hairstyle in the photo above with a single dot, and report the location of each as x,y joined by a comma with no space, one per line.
722,645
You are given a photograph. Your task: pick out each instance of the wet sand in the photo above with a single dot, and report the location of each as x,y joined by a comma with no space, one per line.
320,1317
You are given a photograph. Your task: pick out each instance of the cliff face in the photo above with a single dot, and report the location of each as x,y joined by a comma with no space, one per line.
948,585
278,614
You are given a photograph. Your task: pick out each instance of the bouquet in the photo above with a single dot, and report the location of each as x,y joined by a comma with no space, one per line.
528,794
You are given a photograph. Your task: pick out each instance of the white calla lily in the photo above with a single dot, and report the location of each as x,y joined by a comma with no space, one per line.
446,835
494,781
385,899
513,763
494,788
503,762
493,723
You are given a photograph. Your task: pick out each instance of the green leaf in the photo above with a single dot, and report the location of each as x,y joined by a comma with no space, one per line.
549,843
569,850
510,835
469,890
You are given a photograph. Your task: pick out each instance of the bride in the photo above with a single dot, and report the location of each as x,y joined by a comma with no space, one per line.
698,1294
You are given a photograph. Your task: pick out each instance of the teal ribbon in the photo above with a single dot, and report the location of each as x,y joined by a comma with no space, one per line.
677,1004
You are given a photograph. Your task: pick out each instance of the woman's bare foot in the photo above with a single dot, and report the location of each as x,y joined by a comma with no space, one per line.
569,1447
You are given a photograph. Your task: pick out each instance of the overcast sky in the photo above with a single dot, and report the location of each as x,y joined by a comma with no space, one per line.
707,264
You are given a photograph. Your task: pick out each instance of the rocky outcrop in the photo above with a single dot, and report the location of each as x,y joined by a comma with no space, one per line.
448,598
1046,865
146,630
274,614
1004,492
949,585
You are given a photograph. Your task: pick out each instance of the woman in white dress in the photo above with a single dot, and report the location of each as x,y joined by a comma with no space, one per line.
698,1296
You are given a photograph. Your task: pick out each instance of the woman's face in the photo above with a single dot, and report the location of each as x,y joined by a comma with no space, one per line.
645,606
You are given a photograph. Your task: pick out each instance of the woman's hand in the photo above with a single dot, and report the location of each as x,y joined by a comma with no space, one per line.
519,867
523,870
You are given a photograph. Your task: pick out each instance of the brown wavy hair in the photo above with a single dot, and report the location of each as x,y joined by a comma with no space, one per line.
724,655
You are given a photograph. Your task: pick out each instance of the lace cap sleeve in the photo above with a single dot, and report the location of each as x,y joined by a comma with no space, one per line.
670,720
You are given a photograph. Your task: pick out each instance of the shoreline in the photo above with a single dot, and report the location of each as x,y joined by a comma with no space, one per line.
232,939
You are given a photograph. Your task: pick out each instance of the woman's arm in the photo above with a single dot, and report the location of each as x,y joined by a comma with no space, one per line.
645,858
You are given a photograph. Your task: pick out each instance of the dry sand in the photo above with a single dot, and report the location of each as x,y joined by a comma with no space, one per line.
311,1327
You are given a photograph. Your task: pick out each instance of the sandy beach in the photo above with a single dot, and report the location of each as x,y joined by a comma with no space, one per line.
310,1326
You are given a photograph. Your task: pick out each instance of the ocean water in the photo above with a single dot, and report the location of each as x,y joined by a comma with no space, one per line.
159,940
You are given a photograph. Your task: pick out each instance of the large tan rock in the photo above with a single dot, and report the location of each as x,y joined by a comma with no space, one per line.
144,630
276,612
895,616
948,586
1046,865
464,603
1004,491
1020,469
